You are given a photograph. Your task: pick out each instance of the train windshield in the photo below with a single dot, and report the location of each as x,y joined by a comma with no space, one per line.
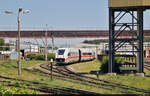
61,52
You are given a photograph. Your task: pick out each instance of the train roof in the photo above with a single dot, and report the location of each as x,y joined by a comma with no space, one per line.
76,48
67,48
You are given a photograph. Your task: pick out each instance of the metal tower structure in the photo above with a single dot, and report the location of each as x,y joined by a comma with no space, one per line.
132,11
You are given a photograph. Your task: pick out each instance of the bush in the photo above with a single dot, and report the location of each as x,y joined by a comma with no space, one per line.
118,62
31,56
15,90
51,56
40,57
104,65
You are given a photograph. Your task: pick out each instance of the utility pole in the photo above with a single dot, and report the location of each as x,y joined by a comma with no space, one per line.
51,68
18,43
52,42
18,62
46,52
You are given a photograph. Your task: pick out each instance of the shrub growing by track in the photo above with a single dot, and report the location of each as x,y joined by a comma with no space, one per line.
31,56
51,56
118,62
15,90
41,56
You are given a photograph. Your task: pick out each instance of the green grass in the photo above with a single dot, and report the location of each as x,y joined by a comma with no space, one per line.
86,66
132,81
15,90
24,64
8,69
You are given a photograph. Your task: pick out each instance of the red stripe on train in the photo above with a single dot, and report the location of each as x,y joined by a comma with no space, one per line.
76,57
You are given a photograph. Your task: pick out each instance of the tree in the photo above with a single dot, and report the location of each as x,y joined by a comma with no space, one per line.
2,41
96,41
6,48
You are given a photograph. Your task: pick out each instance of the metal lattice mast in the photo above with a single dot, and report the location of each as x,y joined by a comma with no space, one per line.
118,27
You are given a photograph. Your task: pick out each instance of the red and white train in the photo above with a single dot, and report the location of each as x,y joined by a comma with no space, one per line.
73,55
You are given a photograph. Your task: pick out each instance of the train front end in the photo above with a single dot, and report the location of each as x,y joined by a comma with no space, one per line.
61,56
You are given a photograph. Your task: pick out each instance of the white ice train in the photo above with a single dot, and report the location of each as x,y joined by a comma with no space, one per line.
72,55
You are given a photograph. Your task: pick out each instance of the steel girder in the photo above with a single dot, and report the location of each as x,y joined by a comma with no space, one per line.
117,26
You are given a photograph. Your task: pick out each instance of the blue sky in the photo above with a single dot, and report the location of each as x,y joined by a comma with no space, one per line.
59,14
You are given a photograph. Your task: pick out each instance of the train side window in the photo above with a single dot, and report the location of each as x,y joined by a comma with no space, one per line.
69,54
72,54
87,53
84,53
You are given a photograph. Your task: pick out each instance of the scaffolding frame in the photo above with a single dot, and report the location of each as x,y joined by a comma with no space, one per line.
116,30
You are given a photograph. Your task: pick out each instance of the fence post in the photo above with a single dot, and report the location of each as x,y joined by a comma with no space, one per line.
51,69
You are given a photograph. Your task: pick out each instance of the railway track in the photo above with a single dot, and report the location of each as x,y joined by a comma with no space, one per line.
147,65
42,87
62,72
